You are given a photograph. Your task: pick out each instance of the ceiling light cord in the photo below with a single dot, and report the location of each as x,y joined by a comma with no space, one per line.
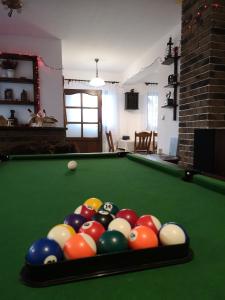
96,60
97,82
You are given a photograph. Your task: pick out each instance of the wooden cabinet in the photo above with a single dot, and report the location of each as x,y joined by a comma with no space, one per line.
172,83
21,88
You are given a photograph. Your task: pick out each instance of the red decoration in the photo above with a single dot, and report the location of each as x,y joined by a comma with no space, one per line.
197,17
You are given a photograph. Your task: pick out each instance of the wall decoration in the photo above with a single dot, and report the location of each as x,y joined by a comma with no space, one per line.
196,19
8,94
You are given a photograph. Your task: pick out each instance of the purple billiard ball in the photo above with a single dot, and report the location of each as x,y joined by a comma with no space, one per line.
75,220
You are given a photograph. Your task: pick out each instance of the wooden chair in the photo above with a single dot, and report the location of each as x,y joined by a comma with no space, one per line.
154,142
110,141
142,141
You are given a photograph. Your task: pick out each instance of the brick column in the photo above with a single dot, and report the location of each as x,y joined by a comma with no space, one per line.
202,72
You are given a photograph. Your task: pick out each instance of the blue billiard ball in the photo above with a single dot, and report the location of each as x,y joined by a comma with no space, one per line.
44,251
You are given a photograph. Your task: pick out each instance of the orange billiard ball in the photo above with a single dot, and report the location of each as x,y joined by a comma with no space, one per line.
78,246
142,237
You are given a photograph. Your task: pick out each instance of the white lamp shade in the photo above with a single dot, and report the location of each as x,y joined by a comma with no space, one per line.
97,82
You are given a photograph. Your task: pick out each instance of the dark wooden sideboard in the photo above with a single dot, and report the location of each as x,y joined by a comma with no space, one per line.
33,140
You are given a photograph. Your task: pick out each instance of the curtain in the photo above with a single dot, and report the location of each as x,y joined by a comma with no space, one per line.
112,94
152,108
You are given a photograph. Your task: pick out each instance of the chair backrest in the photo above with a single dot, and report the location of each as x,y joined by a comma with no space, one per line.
110,141
154,141
142,141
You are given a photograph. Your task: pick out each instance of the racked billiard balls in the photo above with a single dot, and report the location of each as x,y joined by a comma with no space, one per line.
112,241
79,245
44,251
172,234
129,215
142,237
75,221
103,217
95,203
120,225
110,207
61,233
93,228
149,221
86,212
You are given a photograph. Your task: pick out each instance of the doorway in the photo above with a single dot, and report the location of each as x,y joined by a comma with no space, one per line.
83,119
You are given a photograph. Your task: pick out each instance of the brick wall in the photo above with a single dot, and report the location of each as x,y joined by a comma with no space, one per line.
202,72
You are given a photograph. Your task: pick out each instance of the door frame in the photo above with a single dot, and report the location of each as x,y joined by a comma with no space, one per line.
91,141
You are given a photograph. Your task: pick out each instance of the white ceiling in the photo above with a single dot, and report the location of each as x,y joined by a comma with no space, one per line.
115,31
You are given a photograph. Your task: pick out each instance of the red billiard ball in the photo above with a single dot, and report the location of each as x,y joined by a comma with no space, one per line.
142,237
85,211
149,221
129,215
92,228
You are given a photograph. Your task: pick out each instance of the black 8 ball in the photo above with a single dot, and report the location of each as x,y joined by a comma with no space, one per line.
103,217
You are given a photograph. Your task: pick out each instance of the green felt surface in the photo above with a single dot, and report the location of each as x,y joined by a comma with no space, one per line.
36,194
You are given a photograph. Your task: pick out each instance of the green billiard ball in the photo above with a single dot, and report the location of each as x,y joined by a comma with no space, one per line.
112,241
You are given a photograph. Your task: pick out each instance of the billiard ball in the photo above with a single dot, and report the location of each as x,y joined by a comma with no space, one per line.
103,217
95,203
120,225
72,165
61,233
112,241
149,221
92,228
110,207
4,157
142,237
86,212
75,220
79,245
44,251
172,234
129,215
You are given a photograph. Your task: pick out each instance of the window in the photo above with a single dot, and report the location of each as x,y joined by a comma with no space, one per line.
152,111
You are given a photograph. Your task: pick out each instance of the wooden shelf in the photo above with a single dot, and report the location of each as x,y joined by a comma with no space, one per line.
22,81
172,85
15,102
16,80
169,106
169,60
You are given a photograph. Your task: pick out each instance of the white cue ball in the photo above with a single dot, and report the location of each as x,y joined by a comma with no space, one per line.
72,165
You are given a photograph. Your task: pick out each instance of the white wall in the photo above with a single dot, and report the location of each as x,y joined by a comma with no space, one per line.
149,68
51,85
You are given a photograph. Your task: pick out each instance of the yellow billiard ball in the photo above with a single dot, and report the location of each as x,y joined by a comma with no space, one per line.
94,203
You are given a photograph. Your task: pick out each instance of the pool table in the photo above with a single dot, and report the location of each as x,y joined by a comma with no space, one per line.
37,192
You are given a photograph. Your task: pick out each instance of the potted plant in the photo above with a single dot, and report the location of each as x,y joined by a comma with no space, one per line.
9,65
